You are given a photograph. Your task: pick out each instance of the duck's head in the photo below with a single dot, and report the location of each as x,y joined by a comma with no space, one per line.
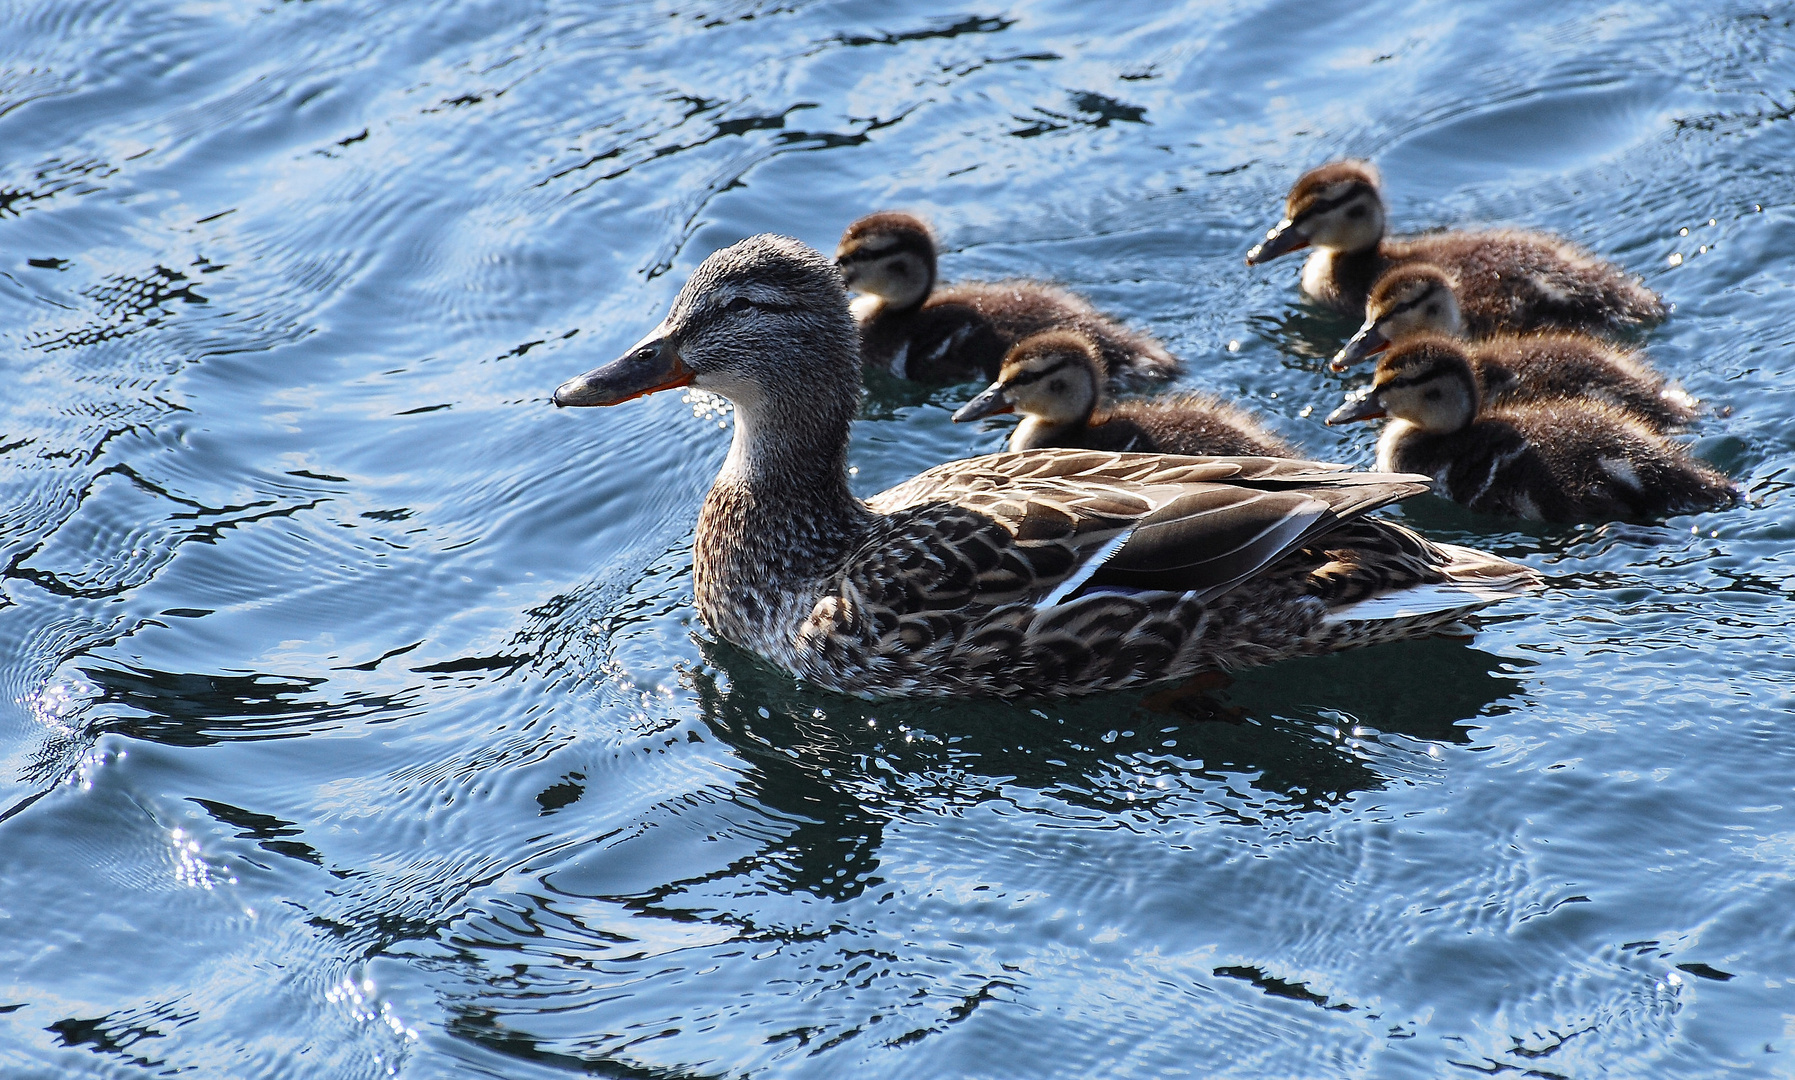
1334,206
1426,380
1415,298
759,322
890,255
1055,376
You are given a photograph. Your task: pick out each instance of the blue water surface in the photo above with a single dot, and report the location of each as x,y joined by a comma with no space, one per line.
354,719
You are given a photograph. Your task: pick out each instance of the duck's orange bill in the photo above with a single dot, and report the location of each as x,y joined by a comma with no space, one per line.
651,366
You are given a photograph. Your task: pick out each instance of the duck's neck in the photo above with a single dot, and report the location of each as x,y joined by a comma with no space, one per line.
780,512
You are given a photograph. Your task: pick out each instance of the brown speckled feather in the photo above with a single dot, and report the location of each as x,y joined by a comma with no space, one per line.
1001,553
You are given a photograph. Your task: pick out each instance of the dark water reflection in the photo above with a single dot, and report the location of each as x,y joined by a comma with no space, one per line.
354,720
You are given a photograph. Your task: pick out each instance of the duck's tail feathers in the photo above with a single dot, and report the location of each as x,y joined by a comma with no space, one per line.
1472,579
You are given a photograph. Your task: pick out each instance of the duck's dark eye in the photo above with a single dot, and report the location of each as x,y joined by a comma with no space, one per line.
1432,395
1356,212
740,303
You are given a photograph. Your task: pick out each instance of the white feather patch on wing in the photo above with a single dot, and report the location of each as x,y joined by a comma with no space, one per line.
1421,600
1090,566
899,358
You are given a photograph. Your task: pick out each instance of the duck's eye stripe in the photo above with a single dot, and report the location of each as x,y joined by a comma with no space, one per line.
744,303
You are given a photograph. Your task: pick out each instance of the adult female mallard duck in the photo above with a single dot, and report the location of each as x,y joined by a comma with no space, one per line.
1055,380
1508,279
1563,460
1041,573
1419,298
918,329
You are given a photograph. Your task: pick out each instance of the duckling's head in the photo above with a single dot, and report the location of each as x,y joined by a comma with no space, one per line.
763,322
1055,376
1425,380
1334,206
889,255
1414,298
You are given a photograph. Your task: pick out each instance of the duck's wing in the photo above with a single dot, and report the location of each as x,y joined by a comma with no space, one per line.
1044,525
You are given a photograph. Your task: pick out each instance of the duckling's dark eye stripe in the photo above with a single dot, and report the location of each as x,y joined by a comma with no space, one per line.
1028,377
1322,206
1407,306
902,246
1410,380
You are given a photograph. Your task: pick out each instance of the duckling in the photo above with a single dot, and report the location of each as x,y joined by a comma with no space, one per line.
1055,380
1046,572
1560,461
1418,297
918,329
1508,279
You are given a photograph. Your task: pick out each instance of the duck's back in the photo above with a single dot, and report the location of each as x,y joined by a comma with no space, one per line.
1560,462
1194,424
1518,369
965,329
1510,280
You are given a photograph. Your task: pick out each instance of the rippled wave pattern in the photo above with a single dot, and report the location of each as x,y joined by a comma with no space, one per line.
354,720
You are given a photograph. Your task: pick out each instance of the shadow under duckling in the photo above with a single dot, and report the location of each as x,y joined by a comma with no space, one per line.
1558,461
1055,380
917,328
1420,298
1508,279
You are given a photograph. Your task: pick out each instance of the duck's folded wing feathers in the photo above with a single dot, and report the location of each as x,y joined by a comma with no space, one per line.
1043,524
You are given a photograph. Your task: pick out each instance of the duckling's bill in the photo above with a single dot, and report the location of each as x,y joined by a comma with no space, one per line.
651,364
1281,239
1365,404
1369,341
994,400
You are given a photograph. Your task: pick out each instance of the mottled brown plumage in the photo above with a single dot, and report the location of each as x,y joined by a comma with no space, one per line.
1513,369
1565,460
917,328
1055,381
1041,573
1508,279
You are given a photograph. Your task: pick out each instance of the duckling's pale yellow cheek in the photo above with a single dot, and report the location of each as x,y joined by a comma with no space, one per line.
1318,272
865,306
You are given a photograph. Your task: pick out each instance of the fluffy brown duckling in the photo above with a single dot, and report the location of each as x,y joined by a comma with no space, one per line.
1562,461
919,329
1508,279
1055,380
1419,298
